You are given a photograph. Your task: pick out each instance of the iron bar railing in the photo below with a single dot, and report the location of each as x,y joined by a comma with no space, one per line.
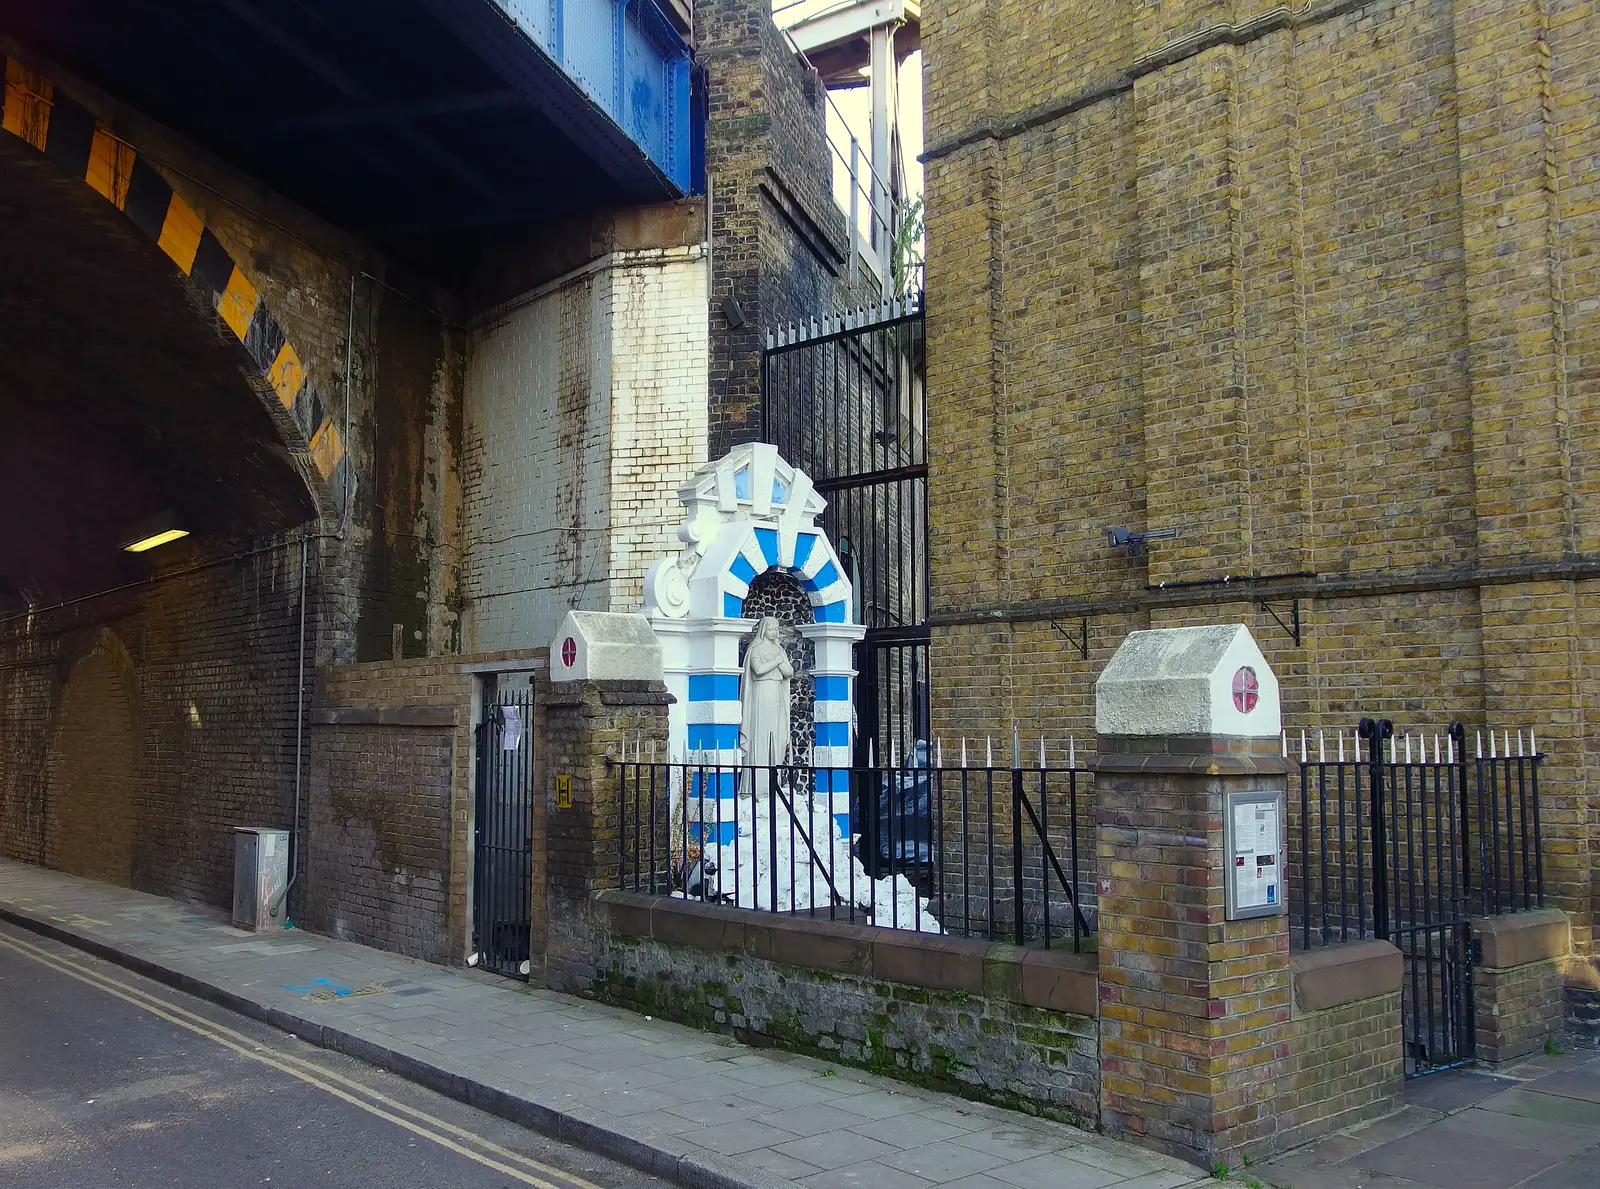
503,833
1406,838
844,398
978,851
1399,832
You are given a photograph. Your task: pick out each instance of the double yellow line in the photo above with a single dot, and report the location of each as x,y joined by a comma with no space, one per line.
429,1127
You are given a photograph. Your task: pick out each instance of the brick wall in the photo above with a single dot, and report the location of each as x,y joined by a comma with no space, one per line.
371,337
1194,1008
581,725
1317,291
536,463
1517,982
93,790
1518,1009
212,642
778,238
202,667
659,409
380,871
586,409
1582,994
389,805
1346,1067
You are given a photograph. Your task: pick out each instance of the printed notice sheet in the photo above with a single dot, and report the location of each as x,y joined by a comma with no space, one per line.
1257,882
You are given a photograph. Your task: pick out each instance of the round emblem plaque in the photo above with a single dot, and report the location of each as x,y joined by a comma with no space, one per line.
1246,689
569,656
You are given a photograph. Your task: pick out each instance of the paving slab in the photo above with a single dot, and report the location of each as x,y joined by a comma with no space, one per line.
695,1108
1463,1161
1572,1175
1452,1091
1479,1131
1576,1083
1551,1108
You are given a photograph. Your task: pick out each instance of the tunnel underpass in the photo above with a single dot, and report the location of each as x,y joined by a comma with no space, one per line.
123,396
126,400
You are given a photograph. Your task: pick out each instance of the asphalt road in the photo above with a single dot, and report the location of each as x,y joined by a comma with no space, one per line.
108,1079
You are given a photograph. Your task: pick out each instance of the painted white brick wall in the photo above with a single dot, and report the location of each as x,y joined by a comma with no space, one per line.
586,407
660,421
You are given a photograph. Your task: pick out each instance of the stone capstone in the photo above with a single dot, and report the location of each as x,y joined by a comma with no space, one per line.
1189,681
605,646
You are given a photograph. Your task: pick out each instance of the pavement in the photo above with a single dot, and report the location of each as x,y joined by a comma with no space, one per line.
1533,1126
688,1106
111,1079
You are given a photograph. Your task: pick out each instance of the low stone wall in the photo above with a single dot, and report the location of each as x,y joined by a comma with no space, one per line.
1518,983
1013,1027
1346,1055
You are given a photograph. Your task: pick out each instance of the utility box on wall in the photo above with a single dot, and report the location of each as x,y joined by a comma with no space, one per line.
260,874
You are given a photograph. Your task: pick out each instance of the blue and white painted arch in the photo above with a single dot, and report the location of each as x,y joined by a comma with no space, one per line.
748,513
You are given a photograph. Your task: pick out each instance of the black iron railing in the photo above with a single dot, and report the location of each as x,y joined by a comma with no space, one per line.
1401,831
844,398
1407,838
976,851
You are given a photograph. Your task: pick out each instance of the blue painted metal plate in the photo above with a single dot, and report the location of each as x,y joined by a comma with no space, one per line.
629,60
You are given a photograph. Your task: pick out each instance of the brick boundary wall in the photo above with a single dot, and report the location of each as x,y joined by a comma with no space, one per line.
1583,1004
1219,1042
983,1020
1195,1008
1347,1062
389,794
389,813
1518,992
579,726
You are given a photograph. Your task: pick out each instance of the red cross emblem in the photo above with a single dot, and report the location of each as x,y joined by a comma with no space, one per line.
569,655
1246,689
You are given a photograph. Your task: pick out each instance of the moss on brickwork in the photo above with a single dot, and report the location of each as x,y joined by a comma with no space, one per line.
954,1042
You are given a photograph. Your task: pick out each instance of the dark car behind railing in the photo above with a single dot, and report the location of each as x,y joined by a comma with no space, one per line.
898,830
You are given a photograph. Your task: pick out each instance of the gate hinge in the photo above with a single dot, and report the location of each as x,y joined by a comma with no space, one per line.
1475,949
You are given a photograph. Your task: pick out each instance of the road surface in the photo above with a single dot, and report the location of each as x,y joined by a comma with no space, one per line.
108,1079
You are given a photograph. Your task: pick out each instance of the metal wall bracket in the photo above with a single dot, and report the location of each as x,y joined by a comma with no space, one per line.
1290,629
1081,640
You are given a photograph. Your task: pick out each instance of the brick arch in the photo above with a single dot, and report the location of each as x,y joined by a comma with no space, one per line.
808,555
92,775
66,132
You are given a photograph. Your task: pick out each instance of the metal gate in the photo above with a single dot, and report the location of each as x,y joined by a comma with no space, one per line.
1419,902
844,399
1406,839
503,831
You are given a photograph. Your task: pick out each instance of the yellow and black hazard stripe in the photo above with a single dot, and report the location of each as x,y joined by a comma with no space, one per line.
41,115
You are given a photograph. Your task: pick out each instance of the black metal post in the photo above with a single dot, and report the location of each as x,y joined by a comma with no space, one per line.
1016,850
1377,731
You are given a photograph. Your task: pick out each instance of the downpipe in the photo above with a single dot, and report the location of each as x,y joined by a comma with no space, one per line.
296,847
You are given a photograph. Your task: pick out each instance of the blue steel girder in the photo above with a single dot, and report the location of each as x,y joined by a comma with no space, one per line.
624,56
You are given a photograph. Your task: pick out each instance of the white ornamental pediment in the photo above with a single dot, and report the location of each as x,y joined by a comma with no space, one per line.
750,482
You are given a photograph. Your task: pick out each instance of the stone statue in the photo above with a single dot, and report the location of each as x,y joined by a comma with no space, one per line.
764,698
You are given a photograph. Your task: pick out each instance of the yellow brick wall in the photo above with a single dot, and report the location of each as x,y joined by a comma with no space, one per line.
1316,288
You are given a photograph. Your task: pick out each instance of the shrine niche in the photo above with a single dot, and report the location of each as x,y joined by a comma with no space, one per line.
752,549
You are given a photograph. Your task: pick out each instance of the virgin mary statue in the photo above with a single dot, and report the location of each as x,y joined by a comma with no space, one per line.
764,698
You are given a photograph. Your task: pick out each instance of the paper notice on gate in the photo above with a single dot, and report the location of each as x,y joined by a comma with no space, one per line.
510,728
